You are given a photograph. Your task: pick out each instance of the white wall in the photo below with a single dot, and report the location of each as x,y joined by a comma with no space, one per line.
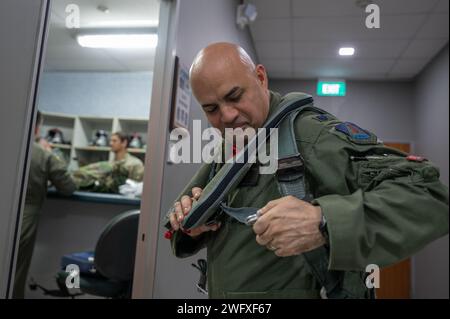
176,278
385,108
432,141
104,94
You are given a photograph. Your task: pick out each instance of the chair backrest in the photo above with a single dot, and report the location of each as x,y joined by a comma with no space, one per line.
116,247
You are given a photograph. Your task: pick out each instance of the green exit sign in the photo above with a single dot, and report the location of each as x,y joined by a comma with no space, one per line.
331,88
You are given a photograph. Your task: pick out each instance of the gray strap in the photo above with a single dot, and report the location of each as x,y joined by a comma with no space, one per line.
290,172
291,181
287,145
241,214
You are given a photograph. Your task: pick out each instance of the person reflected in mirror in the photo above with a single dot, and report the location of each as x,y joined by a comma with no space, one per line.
44,166
119,146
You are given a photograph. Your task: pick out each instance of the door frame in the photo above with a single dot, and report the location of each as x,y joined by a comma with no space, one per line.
28,67
158,132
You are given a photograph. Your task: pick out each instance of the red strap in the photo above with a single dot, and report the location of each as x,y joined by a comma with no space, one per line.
415,158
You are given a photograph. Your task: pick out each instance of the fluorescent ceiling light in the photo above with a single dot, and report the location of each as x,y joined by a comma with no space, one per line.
346,51
118,41
124,23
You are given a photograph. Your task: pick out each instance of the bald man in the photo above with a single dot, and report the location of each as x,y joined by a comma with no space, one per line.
368,208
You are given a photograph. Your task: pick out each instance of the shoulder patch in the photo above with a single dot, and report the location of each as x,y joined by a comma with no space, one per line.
321,117
355,133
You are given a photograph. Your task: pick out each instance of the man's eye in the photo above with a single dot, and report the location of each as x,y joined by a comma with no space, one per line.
235,98
210,109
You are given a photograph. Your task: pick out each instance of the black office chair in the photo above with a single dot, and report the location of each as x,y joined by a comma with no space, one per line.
113,262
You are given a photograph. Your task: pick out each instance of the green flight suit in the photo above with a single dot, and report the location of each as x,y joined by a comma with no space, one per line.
379,208
44,167
134,166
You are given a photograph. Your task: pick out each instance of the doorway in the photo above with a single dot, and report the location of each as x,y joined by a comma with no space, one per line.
89,92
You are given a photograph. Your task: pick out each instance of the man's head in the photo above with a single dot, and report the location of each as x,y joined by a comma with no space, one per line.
232,91
118,142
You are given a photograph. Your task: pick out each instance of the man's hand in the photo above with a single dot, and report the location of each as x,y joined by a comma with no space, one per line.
289,226
182,208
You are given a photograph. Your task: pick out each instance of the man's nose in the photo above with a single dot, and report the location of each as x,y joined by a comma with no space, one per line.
229,114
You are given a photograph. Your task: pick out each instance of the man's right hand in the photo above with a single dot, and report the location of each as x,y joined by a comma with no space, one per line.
182,208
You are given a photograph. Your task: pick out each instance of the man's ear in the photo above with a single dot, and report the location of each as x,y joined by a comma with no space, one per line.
261,74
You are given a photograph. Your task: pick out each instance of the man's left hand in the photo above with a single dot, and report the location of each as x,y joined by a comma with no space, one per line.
289,226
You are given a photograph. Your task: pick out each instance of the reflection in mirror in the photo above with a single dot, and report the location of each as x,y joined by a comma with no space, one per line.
81,214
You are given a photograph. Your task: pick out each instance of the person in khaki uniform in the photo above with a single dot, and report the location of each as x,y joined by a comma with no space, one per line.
371,204
44,166
119,145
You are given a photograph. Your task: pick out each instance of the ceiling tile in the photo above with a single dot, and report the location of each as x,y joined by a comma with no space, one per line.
329,8
321,8
74,52
119,10
408,66
353,28
278,65
442,7
401,76
271,30
274,49
363,49
436,26
424,48
320,27
272,9
342,67
279,75
64,53
405,6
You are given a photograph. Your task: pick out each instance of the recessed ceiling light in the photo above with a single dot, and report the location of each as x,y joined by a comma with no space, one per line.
123,23
346,51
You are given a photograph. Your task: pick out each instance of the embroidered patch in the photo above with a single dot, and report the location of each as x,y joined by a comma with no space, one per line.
353,130
321,117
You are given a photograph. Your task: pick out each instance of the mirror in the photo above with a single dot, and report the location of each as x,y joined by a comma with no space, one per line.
86,168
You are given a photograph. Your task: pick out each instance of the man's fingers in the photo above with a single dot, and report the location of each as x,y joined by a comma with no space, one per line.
173,221
272,212
202,229
215,227
186,204
261,225
196,192
269,206
178,211
263,240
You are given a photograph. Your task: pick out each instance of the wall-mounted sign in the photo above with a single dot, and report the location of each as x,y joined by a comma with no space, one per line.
331,88
181,97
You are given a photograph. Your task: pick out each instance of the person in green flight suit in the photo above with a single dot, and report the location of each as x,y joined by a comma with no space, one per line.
371,204
134,166
44,166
